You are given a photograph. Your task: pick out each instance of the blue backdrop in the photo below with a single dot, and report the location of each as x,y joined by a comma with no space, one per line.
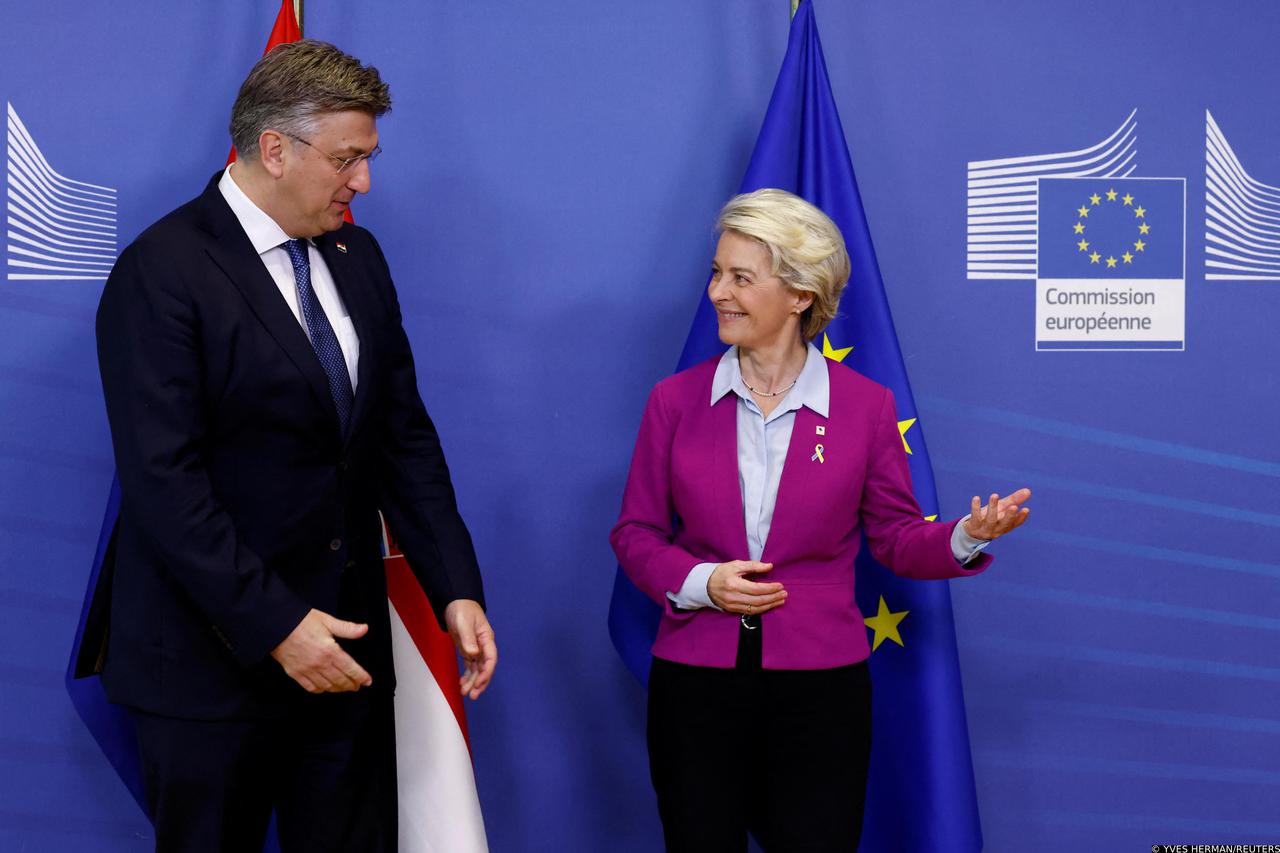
551,175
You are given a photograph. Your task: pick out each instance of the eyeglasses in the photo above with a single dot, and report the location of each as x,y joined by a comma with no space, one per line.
343,163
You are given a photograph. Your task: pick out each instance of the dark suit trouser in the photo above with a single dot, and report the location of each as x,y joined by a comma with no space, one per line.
328,771
781,754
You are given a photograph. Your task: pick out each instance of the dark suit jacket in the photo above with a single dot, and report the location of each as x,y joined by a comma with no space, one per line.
243,505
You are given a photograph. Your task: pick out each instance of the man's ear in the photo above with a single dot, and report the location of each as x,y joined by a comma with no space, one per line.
271,152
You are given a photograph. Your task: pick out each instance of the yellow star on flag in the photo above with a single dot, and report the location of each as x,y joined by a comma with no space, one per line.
1139,212
1094,258
1128,258
903,426
1143,228
1111,262
1111,195
1139,245
933,517
1083,244
885,624
1079,227
1095,198
1084,212
1128,199
836,355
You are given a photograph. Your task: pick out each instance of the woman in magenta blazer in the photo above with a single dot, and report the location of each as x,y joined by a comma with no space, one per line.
745,533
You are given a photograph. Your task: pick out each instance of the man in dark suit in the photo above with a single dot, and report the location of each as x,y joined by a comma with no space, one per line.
264,407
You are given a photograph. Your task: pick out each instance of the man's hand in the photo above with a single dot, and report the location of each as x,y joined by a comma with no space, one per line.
473,636
730,590
999,516
312,657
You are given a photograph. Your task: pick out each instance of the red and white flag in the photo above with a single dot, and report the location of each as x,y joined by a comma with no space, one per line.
439,806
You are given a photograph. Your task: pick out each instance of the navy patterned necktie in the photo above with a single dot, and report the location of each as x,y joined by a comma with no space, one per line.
323,339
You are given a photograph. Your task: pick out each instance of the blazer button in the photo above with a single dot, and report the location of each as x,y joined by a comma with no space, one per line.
335,545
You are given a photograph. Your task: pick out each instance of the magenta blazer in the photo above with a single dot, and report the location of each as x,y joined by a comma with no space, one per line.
685,472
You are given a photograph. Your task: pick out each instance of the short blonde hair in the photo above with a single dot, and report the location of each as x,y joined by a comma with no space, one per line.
807,248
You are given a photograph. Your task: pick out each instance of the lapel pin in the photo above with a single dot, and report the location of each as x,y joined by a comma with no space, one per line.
821,430
342,247
817,454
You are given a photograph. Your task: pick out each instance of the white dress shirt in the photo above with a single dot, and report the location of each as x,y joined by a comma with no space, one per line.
762,450
267,238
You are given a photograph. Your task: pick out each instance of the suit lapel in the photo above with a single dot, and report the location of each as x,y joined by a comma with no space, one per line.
233,253
796,474
346,273
724,475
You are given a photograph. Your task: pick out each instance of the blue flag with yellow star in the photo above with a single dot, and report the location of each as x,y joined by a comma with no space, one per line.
920,794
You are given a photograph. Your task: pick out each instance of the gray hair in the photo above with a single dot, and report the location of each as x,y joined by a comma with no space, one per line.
296,82
807,248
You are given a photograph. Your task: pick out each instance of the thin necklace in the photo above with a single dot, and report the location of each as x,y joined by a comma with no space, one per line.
769,393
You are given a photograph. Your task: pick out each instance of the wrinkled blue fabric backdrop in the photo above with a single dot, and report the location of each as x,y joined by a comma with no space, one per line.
551,175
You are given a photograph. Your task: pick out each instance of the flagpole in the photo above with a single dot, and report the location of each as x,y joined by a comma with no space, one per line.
297,11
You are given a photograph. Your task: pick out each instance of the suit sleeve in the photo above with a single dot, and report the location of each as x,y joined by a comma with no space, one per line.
416,495
900,538
148,335
643,537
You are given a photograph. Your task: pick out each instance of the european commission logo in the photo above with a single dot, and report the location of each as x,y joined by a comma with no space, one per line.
1106,249
59,229
1110,267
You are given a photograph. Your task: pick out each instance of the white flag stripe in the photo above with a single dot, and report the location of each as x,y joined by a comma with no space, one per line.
1037,158
1001,209
991,238
53,241
1221,196
1242,215
20,238
1221,253
1012,230
1222,209
1225,266
983,256
27,253
982,220
68,227
16,126
439,807
977,198
22,163
1229,181
1001,191
1261,244
1215,136
1100,164
1009,267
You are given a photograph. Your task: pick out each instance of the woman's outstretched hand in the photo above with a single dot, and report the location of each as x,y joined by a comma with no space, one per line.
999,516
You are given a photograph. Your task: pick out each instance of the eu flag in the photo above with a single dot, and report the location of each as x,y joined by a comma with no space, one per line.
920,794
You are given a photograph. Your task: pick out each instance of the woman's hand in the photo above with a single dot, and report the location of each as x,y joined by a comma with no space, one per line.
999,516
730,590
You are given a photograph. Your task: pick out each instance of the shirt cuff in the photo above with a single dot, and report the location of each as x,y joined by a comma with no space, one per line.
963,546
693,593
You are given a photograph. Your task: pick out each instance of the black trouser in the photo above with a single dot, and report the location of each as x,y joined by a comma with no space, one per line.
781,754
328,771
